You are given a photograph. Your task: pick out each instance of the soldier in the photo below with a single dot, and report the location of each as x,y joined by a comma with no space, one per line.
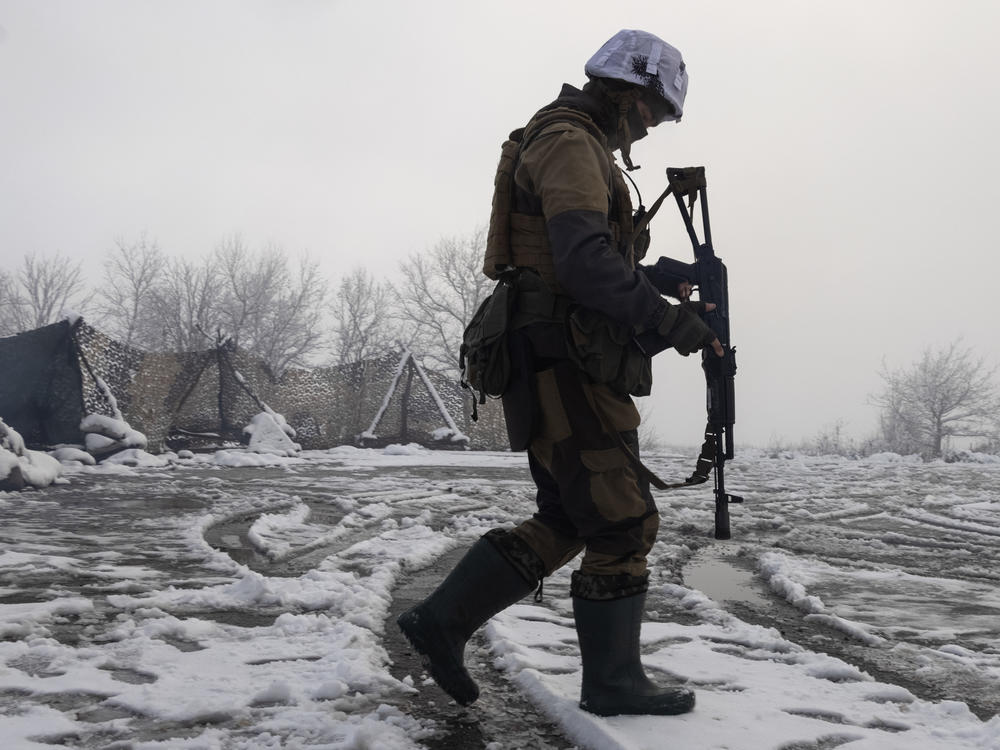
562,218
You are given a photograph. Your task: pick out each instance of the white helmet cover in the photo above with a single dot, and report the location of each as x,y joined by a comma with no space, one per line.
644,59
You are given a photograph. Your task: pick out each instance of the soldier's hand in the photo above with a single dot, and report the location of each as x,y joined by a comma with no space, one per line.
715,343
686,331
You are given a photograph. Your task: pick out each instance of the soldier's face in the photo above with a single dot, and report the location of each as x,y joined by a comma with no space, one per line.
655,109
649,120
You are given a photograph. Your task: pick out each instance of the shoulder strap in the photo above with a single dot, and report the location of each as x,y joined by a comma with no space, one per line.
648,215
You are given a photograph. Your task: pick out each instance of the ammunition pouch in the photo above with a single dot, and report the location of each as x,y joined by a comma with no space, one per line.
608,353
484,357
520,298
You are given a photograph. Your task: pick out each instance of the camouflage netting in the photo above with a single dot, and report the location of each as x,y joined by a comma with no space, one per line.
40,386
53,376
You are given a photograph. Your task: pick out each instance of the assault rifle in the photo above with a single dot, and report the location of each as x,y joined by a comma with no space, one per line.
708,274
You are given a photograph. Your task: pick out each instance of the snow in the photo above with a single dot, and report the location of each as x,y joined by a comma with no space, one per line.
35,469
786,577
109,396
449,434
137,457
100,424
241,458
65,454
762,688
279,419
269,434
11,440
127,616
105,435
278,535
410,449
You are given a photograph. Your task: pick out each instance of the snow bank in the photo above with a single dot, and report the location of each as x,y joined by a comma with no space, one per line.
138,458
269,433
450,434
788,577
22,620
105,435
21,467
72,454
244,458
410,449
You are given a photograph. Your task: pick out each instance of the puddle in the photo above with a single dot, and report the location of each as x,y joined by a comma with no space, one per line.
713,572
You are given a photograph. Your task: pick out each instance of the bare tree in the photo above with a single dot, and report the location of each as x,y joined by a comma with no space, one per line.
440,292
290,329
249,283
361,313
8,305
256,299
268,307
832,440
132,272
41,292
183,304
649,437
947,393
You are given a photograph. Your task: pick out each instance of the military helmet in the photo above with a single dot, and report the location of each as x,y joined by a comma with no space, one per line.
641,58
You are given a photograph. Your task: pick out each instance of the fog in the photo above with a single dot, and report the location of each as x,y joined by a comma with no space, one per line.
850,149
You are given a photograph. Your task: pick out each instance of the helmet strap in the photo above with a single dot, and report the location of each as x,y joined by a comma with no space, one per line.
625,134
624,99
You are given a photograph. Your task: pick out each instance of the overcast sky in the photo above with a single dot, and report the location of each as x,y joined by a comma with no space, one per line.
851,150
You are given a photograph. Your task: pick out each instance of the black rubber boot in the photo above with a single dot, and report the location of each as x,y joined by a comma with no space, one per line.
613,678
481,584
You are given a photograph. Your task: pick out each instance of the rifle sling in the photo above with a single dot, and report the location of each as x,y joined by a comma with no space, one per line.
644,221
706,461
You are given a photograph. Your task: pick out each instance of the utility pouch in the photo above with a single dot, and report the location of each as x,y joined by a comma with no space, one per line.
636,374
607,352
484,356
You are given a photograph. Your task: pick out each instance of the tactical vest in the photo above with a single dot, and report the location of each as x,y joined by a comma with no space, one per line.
521,239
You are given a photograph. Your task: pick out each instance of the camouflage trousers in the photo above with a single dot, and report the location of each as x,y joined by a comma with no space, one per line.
589,496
